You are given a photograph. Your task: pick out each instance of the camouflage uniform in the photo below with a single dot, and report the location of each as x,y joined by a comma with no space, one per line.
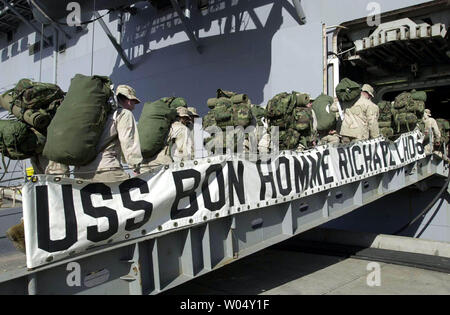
179,146
119,140
361,121
430,123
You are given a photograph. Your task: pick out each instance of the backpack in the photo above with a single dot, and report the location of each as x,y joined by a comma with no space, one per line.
18,141
385,112
281,107
35,95
326,119
230,109
302,119
408,111
348,90
36,111
75,131
444,127
154,125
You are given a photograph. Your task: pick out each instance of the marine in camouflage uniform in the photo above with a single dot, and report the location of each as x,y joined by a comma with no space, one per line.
179,145
431,124
361,119
120,140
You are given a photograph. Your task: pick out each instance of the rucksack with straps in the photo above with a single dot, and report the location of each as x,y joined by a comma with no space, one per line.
79,122
18,141
154,124
34,103
282,106
385,112
35,95
408,111
230,109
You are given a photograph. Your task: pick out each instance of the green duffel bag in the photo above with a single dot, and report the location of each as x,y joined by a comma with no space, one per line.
385,111
348,90
301,99
326,119
18,141
175,102
387,132
154,126
75,131
419,95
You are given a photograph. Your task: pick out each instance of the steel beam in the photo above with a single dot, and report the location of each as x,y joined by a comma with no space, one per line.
24,20
38,6
113,40
186,24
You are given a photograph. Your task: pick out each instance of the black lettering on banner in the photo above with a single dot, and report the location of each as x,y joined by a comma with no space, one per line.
420,148
402,159
301,174
93,233
368,157
140,205
43,220
265,179
326,167
178,177
209,204
406,148
343,163
391,155
384,150
376,159
355,149
351,161
284,191
315,170
412,147
236,182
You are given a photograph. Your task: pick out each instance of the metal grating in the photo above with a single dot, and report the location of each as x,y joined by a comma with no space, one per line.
8,20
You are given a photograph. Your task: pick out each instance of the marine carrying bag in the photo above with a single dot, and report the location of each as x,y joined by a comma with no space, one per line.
76,129
154,126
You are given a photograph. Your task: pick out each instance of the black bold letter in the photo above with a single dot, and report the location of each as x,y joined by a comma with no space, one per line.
43,220
93,234
125,188
178,177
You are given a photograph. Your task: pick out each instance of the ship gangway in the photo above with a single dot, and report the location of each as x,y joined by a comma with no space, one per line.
156,263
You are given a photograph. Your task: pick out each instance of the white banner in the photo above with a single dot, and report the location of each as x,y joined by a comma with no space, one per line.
65,217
